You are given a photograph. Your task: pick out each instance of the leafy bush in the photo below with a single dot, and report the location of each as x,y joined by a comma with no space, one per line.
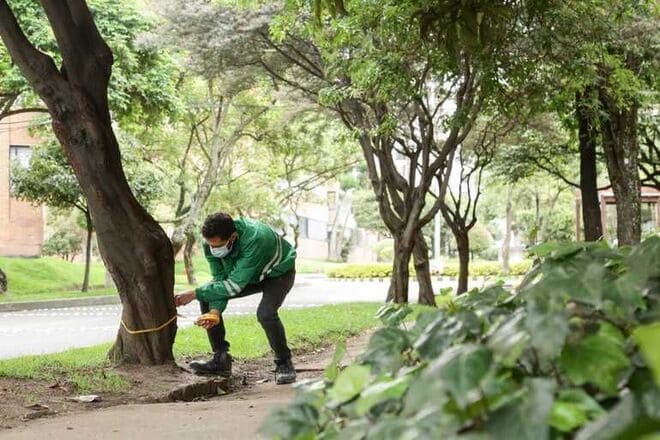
64,244
450,269
573,353
384,249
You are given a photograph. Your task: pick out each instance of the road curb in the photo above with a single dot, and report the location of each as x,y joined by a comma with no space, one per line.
60,303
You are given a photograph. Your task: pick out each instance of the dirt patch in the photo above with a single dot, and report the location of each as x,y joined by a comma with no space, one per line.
251,393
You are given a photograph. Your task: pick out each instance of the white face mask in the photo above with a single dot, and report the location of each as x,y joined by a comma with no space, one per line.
222,251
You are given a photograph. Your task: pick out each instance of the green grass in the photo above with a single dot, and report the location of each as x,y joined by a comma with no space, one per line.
31,276
87,368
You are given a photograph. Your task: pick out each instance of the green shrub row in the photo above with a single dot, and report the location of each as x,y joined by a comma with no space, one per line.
384,270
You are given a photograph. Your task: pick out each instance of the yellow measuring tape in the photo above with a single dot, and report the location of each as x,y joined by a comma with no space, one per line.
148,330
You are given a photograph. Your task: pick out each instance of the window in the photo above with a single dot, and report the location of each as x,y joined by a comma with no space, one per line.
20,154
313,229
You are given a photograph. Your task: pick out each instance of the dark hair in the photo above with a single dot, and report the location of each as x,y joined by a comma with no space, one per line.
219,224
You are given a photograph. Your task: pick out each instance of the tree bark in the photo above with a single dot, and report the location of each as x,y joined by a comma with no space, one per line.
3,282
463,248
587,134
88,251
620,143
398,291
506,244
133,246
423,271
188,260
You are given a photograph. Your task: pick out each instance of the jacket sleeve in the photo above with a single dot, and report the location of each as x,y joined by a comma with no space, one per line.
249,267
212,292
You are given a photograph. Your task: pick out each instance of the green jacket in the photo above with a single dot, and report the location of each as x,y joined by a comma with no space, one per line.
258,253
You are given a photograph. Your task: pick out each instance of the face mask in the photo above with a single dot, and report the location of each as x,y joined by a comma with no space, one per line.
222,251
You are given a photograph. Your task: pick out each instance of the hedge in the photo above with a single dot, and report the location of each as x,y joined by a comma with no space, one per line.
384,270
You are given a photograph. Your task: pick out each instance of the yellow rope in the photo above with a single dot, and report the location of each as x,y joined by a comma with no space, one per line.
148,330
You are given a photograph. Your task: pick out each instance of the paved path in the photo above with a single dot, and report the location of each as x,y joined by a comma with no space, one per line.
53,330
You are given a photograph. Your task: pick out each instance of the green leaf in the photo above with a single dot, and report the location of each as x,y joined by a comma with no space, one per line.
380,391
350,383
438,336
572,409
296,422
384,352
332,369
648,337
598,359
546,322
509,339
462,370
528,417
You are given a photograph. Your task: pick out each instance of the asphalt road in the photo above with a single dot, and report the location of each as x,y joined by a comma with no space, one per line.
53,330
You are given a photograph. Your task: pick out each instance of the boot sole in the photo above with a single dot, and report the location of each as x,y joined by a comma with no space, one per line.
284,381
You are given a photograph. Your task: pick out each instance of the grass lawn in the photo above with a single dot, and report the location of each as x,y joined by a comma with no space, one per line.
306,328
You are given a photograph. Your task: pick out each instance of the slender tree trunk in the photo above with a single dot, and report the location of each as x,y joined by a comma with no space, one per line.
3,282
587,133
188,260
620,143
544,218
506,244
463,247
88,251
398,291
423,271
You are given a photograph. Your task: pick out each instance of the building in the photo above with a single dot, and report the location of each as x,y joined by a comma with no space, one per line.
650,198
21,223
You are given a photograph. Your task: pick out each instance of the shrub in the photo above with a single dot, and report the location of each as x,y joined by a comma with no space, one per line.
573,355
384,249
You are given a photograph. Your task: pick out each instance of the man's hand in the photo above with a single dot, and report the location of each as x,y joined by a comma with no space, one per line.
209,320
184,298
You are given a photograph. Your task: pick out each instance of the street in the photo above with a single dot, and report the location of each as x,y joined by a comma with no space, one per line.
54,330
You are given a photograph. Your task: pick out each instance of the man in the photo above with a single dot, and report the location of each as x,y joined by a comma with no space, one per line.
245,257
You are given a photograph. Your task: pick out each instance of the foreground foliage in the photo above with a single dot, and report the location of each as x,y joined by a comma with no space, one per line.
572,353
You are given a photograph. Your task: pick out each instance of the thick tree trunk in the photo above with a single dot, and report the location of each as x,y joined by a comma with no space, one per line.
88,251
506,243
587,133
398,291
463,247
133,246
620,143
188,260
423,271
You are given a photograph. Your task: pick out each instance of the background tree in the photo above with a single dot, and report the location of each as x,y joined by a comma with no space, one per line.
76,96
49,180
143,80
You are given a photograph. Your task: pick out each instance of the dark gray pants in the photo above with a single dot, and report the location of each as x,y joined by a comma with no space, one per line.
274,291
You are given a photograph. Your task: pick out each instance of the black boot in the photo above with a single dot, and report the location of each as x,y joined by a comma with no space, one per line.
218,365
285,372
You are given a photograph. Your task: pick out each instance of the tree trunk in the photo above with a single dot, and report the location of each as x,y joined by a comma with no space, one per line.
587,133
132,244
88,251
423,271
187,259
620,143
3,282
463,247
398,291
506,244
